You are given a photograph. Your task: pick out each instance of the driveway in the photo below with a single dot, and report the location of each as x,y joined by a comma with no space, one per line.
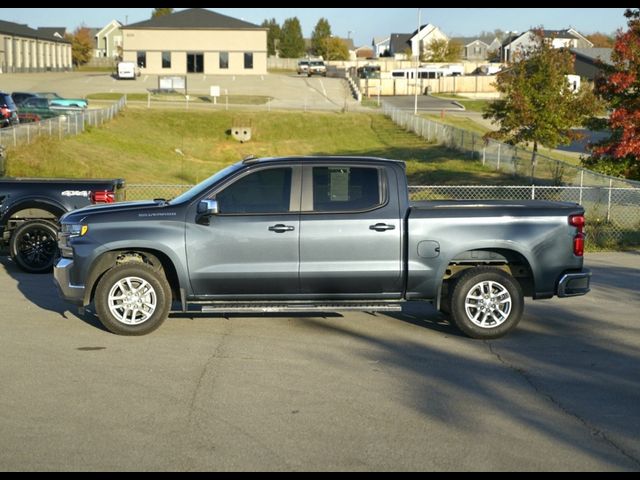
353,392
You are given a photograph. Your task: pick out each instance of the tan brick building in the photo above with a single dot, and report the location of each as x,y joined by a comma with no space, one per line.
196,40
24,49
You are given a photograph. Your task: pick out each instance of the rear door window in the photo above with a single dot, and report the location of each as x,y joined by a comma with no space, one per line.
346,189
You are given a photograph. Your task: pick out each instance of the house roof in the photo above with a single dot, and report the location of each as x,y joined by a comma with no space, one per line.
22,30
593,54
399,42
194,18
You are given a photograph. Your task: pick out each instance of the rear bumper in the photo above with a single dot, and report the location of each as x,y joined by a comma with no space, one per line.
574,284
62,278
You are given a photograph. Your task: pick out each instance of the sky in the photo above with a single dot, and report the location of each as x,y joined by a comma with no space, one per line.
361,24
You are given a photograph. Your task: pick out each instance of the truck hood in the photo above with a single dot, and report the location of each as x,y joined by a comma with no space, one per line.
120,207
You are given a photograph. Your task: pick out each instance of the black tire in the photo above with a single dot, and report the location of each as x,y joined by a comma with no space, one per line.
495,303
34,246
147,312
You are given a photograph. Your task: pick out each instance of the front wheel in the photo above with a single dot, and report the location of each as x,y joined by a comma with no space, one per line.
486,303
34,246
133,299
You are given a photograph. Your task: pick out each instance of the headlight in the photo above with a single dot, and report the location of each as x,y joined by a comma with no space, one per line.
75,229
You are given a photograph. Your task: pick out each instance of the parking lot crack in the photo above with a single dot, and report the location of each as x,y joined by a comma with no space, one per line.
216,353
592,429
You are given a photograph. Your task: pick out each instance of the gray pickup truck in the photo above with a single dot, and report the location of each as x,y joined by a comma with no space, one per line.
318,234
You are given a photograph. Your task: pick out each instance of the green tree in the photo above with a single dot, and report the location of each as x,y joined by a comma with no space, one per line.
160,12
601,40
291,40
273,35
320,34
537,104
442,50
335,49
81,45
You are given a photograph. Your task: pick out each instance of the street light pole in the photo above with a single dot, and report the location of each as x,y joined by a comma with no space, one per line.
415,105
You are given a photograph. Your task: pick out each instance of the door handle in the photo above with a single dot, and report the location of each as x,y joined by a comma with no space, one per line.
281,228
382,227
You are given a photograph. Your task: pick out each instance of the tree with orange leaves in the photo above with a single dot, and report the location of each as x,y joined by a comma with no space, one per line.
620,88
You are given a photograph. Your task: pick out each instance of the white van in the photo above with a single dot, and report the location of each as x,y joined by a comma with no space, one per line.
127,70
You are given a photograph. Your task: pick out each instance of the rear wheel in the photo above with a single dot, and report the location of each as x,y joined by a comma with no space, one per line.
486,302
34,246
133,299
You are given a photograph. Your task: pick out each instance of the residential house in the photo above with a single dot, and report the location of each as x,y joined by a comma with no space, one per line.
476,49
24,49
399,46
588,64
196,40
381,46
108,40
568,38
417,42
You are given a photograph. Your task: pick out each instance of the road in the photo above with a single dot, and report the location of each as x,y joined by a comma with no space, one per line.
354,392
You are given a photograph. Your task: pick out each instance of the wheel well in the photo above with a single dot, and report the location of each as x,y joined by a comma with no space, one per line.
158,260
512,262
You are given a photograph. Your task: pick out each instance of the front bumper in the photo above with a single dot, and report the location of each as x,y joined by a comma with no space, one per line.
574,284
62,278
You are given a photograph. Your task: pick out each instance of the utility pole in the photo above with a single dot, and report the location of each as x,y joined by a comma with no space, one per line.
415,105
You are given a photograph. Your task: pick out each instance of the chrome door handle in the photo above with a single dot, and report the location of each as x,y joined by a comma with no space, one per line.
281,228
382,227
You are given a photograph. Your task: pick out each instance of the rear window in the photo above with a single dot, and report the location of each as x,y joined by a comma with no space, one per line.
6,100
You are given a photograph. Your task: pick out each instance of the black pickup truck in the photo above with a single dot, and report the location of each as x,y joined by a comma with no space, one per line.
30,209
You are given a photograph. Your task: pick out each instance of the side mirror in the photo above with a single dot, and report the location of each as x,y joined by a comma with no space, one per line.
206,209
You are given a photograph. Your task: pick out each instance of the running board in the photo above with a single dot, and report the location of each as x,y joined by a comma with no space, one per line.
301,307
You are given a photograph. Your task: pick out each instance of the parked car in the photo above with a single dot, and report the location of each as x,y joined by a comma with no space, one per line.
317,67
58,101
303,67
35,109
8,111
318,234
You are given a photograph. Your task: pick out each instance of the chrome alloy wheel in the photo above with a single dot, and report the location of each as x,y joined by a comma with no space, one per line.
488,304
132,300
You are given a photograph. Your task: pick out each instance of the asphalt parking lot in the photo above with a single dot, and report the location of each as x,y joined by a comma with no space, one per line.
354,392
287,90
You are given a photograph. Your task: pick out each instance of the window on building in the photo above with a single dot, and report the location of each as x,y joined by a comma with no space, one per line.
248,60
166,59
142,59
224,60
195,62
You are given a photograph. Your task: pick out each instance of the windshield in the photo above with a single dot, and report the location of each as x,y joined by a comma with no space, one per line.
206,184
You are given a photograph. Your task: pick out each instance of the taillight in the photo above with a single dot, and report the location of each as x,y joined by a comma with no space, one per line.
578,240
104,196
5,112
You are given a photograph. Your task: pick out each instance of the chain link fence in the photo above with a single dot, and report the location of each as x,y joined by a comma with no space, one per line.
72,123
